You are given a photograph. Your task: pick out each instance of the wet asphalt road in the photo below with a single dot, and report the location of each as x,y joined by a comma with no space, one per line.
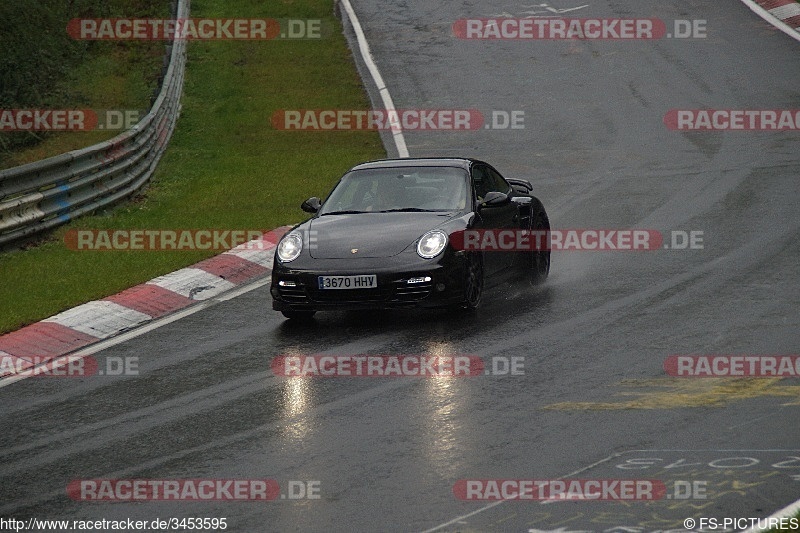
387,452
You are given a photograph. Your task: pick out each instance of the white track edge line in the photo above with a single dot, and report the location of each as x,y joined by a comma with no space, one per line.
789,511
366,55
772,19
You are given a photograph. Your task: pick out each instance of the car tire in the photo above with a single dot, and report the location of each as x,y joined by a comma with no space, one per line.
473,281
295,314
539,261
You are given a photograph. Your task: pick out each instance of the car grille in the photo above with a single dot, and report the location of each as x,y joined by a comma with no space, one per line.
403,292
294,295
350,295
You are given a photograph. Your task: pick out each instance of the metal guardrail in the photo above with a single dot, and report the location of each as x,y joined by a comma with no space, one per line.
44,194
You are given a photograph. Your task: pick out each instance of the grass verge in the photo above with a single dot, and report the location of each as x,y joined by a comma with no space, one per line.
225,167
44,68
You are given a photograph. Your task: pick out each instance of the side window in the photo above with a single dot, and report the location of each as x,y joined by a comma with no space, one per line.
499,183
481,181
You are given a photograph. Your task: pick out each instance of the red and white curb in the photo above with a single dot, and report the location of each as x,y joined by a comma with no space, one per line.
786,10
98,320
783,14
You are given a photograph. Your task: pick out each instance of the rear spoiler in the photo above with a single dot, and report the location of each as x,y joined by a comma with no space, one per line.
523,186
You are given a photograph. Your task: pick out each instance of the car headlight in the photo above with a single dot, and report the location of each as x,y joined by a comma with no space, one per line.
431,244
290,247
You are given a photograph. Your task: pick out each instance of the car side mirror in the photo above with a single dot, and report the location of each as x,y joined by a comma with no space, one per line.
311,205
495,199
522,185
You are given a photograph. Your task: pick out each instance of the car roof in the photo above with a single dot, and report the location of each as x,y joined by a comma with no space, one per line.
457,162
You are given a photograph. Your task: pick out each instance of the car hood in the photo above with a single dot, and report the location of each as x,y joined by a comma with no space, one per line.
372,234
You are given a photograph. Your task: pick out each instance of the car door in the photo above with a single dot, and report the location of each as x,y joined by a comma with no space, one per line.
485,179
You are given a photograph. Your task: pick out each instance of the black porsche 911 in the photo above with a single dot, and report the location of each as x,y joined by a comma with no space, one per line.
383,238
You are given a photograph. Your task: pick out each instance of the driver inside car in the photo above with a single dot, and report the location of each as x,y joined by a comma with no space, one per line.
387,194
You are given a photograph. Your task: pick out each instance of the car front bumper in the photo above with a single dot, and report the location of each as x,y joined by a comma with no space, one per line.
296,288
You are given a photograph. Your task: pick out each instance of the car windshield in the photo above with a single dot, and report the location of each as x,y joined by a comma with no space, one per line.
399,189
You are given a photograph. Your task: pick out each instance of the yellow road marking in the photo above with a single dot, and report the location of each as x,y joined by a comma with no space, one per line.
672,393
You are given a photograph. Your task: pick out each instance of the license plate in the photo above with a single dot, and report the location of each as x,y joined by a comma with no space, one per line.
348,282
